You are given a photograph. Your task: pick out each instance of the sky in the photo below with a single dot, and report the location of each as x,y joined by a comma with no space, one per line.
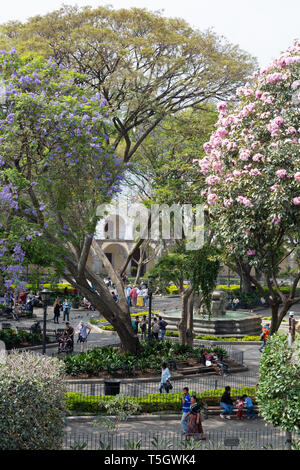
264,28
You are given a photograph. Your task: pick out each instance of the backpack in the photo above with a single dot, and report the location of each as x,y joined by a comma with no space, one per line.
162,324
155,328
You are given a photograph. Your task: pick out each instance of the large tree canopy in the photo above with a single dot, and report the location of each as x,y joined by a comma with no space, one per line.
145,66
253,179
56,168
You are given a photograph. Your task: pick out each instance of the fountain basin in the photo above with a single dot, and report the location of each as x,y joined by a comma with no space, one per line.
233,324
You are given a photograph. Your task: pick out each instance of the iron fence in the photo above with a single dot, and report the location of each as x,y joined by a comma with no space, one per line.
91,397
136,388
270,439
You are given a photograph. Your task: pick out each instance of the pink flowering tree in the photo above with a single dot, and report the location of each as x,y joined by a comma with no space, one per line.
252,176
56,168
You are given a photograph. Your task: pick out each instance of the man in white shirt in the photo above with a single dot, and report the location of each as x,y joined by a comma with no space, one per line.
127,295
144,293
83,331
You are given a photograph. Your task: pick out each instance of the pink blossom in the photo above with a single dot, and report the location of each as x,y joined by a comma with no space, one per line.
211,198
279,120
255,172
291,130
251,252
245,154
258,157
296,201
245,201
297,176
295,84
222,107
231,146
281,173
276,220
237,173
228,202
207,147
211,180
273,77
248,109
267,98
221,132
258,94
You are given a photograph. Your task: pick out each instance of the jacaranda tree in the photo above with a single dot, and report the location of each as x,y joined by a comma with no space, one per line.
56,167
252,175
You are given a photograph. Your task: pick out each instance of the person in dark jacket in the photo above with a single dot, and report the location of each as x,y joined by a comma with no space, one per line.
226,403
56,310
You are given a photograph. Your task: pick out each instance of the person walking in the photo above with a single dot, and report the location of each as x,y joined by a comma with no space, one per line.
226,403
143,325
186,405
165,379
66,309
264,336
83,331
194,427
163,326
56,310
249,405
135,324
155,329
144,294
127,295
133,295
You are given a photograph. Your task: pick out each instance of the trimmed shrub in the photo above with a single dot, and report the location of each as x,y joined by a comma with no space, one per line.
152,403
32,402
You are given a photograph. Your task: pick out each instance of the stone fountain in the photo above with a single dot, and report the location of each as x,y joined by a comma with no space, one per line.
220,322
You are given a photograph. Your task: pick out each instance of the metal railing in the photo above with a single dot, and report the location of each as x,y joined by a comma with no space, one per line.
270,439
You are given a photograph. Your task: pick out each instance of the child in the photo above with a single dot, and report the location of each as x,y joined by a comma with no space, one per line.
249,405
240,406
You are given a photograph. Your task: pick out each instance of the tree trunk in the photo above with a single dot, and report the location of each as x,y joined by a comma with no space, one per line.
190,321
116,314
183,323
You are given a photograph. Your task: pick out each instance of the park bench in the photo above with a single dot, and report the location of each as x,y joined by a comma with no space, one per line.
216,409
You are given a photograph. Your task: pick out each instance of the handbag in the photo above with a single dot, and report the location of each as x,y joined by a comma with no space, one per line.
208,363
169,385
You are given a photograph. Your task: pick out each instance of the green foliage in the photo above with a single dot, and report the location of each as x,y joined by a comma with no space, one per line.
278,393
152,403
32,402
110,360
201,267
14,339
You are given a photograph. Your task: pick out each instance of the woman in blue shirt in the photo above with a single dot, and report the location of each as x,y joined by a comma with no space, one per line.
165,375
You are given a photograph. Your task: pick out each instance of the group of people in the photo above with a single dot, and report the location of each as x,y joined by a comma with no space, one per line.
66,338
213,360
242,402
137,296
59,306
24,301
158,325
191,409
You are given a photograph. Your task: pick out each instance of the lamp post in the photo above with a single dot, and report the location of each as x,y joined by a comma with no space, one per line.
45,294
150,308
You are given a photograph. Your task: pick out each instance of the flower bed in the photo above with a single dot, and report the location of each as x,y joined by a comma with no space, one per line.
13,339
109,362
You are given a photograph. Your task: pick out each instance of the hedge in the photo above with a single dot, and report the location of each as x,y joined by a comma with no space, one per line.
155,402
